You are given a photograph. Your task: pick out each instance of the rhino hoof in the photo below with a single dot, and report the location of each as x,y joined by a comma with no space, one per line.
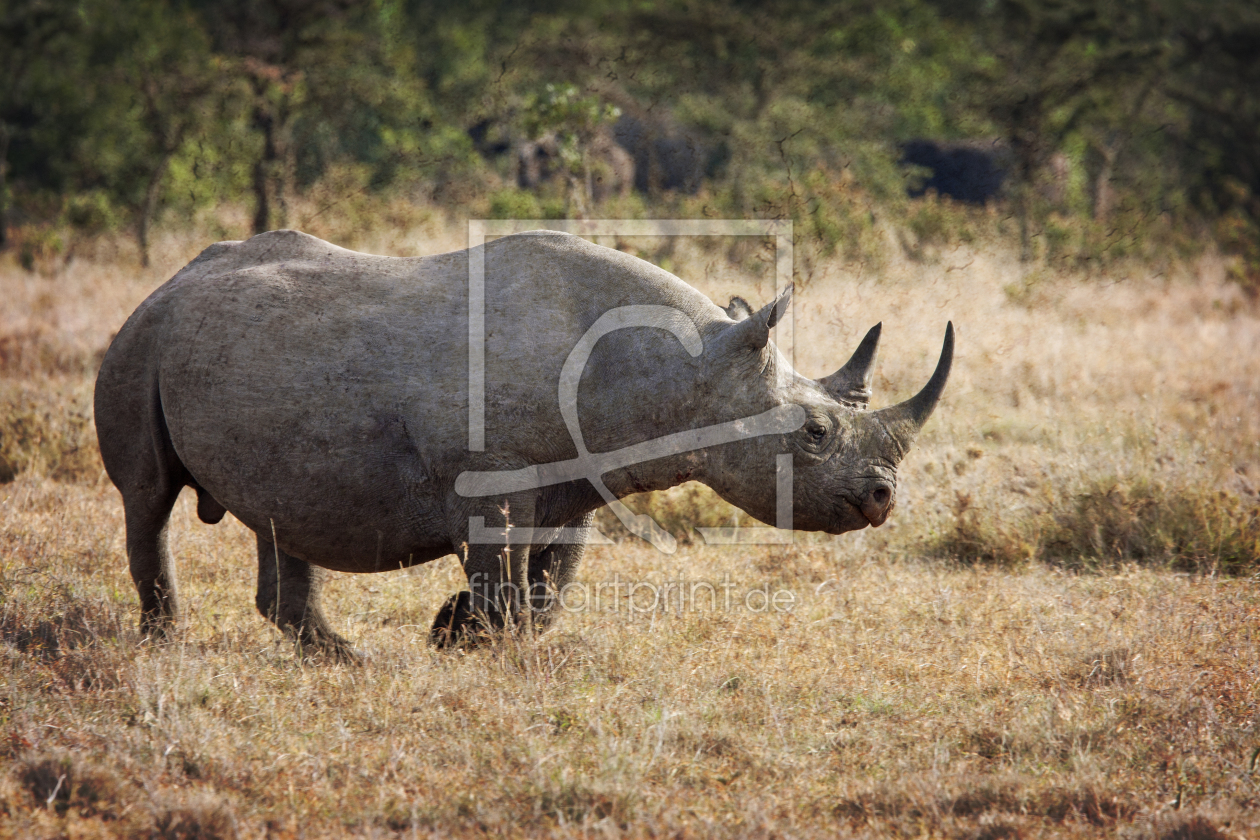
328,646
342,654
458,626
157,629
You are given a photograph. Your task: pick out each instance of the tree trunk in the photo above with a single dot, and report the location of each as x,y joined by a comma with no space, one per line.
285,170
150,204
4,186
262,207
265,122
1104,193
1026,151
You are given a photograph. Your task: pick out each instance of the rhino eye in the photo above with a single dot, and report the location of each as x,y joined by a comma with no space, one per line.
817,431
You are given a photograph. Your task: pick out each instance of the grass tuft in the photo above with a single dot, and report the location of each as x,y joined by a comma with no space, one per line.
1189,527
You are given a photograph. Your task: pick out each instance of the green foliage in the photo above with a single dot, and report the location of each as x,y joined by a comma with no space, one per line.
1239,234
1121,122
562,109
512,203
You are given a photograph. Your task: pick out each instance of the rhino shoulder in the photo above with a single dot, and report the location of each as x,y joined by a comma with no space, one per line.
271,247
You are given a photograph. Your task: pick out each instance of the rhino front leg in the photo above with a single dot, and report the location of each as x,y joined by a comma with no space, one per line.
288,596
498,581
553,568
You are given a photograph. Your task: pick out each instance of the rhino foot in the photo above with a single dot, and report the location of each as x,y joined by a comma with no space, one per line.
322,643
288,597
157,630
458,625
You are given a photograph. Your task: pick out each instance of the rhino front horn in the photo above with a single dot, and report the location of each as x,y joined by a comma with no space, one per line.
904,420
852,383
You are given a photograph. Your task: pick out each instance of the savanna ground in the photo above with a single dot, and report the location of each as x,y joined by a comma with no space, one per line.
1057,634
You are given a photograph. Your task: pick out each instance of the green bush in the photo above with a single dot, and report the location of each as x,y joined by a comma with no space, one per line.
515,204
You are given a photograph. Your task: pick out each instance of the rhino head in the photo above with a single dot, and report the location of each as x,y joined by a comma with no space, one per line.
844,456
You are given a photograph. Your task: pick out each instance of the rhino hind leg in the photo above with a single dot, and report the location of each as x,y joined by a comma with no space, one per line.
142,463
149,558
288,597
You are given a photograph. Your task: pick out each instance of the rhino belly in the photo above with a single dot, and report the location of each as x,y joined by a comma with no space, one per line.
340,490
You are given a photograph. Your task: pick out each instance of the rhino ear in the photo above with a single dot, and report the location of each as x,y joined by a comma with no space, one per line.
753,333
739,310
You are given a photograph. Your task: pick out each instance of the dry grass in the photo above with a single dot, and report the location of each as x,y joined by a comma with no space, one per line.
1098,436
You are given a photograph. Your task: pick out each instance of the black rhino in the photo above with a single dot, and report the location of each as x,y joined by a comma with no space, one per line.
322,396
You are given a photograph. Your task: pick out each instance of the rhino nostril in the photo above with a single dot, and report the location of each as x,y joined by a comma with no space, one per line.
881,496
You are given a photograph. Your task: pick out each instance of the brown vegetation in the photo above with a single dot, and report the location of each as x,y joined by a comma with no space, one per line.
1056,634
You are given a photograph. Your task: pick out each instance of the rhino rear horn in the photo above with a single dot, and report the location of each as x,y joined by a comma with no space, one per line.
753,333
851,384
905,420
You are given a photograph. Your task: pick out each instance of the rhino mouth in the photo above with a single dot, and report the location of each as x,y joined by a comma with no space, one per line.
846,516
876,518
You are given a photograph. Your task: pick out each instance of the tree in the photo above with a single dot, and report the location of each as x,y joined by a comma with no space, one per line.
574,119
173,87
1216,77
317,69
1040,65
36,53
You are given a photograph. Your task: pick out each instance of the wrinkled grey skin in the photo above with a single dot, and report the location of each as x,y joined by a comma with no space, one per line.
320,395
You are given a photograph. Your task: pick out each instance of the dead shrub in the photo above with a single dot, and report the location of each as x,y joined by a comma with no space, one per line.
996,830
986,796
1110,521
679,510
978,534
1185,527
56,621
85,670
64,781
46,636
49,431
1186,827
568,799
40,350
987,743
1082,803
1108,667
199,815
